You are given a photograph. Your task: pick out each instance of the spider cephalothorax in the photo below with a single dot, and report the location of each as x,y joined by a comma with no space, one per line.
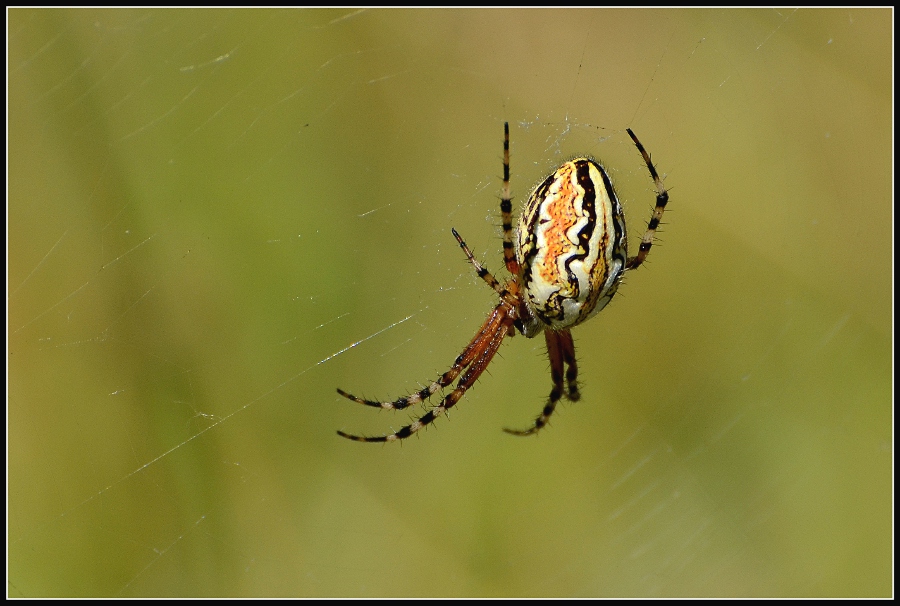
566,257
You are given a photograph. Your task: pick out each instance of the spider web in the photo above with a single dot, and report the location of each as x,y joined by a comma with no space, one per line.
217,217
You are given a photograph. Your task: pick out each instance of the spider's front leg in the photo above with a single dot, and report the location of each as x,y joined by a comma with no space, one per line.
482,349
468,355
561,350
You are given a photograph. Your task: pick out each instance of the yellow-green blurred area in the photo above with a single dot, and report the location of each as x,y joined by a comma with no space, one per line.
218,217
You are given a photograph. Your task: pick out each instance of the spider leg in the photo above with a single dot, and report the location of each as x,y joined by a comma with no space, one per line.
464,359
556,346
568,353
662,198
500,321
483,273
509,253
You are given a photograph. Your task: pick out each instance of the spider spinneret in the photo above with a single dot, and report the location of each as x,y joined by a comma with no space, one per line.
566,258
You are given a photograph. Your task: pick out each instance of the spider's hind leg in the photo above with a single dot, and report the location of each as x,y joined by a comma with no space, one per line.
484,274
509,251
662,198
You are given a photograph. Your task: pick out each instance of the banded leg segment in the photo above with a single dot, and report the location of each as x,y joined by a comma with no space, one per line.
468,355
662,198
509,252
557,345
483,273
484,354
567,345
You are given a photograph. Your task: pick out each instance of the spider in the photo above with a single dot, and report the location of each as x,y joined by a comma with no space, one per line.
567,258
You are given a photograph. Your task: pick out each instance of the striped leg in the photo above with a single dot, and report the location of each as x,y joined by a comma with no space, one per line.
568,352
484,353
662,198
509,252
484,274
469,354
556,349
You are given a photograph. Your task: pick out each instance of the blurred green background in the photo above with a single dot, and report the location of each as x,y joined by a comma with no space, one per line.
218,217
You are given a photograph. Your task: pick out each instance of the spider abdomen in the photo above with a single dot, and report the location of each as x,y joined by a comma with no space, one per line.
571,246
